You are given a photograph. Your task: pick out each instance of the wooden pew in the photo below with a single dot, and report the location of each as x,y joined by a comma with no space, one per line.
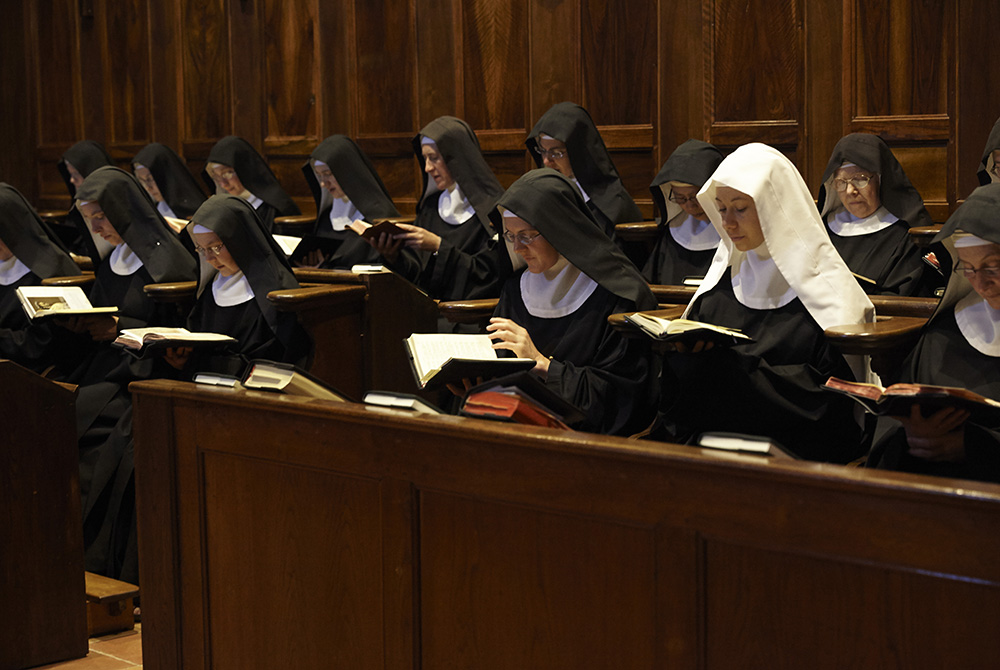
364,538
44,616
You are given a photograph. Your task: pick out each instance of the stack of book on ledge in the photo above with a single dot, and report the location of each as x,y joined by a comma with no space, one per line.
520,398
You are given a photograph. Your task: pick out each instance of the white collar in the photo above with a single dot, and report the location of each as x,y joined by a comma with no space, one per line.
453,207
979,324
231,290
124,261
586,198
164,209
343,213
558,296
845,224
693,234
757,281
254,201
11,270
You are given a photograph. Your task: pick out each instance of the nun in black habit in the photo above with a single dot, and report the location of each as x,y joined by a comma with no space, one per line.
235,167
959,346
687,240
448,253
869,206
566,139
988,168
168,181
29,252
346,188
555,309
78,163
776,277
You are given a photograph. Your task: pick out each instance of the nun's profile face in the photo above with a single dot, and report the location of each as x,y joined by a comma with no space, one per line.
859,201
982,260
327,181
555,155
5,253
145,178
436,168
94,215
528,243
75,177
214,251
226,179
994,176
685,197
739,218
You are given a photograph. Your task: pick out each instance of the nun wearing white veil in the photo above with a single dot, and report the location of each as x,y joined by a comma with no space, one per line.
776,277
960,346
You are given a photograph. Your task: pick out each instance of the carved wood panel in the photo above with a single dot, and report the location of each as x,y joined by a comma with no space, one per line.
205,70
292,60
494,63
127,75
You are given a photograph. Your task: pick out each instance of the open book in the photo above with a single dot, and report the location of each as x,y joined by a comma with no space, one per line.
42,301
685,330
287,378
896,400
145,340
440,359
372,232
176,225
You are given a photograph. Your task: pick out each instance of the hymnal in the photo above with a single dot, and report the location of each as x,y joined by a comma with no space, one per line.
440,359
747,444
405,401
42,301
896,400
286,378
144,340
686,330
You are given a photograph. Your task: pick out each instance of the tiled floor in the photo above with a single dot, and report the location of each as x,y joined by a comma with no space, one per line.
119,651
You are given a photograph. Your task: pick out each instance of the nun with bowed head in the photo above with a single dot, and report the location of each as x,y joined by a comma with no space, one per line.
566,139
80,161
167,181
687,240
959,346
441,252
555,308
346,188
869,206
776,277
29,253
235,167
989,166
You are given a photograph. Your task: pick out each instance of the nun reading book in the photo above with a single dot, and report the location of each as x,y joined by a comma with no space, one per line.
78,163
168,181
777,278
441,253
989,170
235,167
566,139
29,252
869,206
959,346
555,307
346,188
686,239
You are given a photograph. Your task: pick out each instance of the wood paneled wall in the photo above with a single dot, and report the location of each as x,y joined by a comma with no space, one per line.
797,74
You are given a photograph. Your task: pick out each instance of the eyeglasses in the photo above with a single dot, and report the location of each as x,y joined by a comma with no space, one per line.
682,200
523,239
553,154
985,272
214,250
226,175
148,182
859,182
995,170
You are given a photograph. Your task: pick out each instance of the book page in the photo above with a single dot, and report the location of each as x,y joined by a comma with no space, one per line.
431,350
287,243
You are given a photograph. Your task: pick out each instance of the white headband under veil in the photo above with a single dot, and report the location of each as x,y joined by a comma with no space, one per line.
794,235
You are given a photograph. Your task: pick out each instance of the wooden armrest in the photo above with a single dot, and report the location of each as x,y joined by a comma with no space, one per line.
84,280
310,297
52,215
666,294
299,224
101,589
617,321
402,219
467,311
922,235
324,276
83,262
894,305
893,333
171,292
638,231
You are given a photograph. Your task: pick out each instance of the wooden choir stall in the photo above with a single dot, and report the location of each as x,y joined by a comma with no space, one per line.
274,528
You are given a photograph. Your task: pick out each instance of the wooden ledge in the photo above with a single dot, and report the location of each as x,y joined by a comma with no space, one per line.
52,215
468,311
310,297
299,224
324,276
83,280
892,333
109,604
638,231
83,262
171,292
666,294
894,305
922,235
617,321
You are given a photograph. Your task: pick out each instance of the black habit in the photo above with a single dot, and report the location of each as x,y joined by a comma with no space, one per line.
177,185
